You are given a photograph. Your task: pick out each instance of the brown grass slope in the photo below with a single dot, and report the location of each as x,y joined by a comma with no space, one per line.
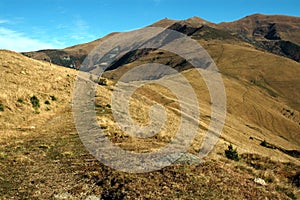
277,34
42,157
260,26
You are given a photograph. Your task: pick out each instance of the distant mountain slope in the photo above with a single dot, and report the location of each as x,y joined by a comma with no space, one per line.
275,33
70,57
245,39
271,27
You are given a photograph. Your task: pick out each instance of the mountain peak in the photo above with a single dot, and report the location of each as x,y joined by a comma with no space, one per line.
197,21
166,22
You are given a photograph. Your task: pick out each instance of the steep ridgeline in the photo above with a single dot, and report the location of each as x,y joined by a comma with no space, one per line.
273,33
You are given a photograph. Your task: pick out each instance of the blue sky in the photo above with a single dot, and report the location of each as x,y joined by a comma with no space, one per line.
27,25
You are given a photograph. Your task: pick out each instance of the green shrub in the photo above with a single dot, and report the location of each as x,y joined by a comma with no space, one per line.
20,100
296,179
53,98
47,102
267,145
232,153
1,107
35,102
102,81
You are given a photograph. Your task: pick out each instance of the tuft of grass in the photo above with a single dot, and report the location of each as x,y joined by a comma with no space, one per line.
286,191
1,107
267,145
53,98
102,81
35,102
295,179
20,100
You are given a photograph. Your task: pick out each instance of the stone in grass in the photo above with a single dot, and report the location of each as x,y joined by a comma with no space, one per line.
188,159
260,181
181,159
65,195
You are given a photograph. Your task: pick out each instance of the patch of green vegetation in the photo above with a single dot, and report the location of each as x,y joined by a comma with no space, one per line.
102,81
103,109
293,153
231,153
1,107
269,90
212,33
267,145
47,102
286,191
103,127
20,100
290,49
53,98
35,102
295,179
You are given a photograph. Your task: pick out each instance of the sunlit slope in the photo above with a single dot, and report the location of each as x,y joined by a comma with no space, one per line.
23,79
276,74
41,155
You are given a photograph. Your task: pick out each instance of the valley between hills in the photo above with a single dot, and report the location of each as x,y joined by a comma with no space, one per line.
42,156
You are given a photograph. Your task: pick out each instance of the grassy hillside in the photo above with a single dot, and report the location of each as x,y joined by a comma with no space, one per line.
42,157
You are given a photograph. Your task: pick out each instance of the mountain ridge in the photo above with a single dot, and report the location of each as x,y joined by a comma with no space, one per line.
272,38
209,36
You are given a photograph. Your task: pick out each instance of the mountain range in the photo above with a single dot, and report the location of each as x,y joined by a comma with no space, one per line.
273,33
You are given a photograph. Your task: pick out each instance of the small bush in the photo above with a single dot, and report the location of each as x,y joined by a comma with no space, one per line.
267,145
47,102
53,98
102,81
295,179
1,107
35,102
20,100
232,153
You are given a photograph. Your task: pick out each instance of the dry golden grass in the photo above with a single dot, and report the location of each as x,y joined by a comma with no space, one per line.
50,160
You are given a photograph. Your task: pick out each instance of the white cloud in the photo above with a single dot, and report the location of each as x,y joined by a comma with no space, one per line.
4,21
16,41
80,30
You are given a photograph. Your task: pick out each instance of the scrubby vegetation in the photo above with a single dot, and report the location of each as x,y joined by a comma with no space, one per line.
35,102
295,179
20,100
267,145
103,81
1,107
232,153
47,102
53,98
